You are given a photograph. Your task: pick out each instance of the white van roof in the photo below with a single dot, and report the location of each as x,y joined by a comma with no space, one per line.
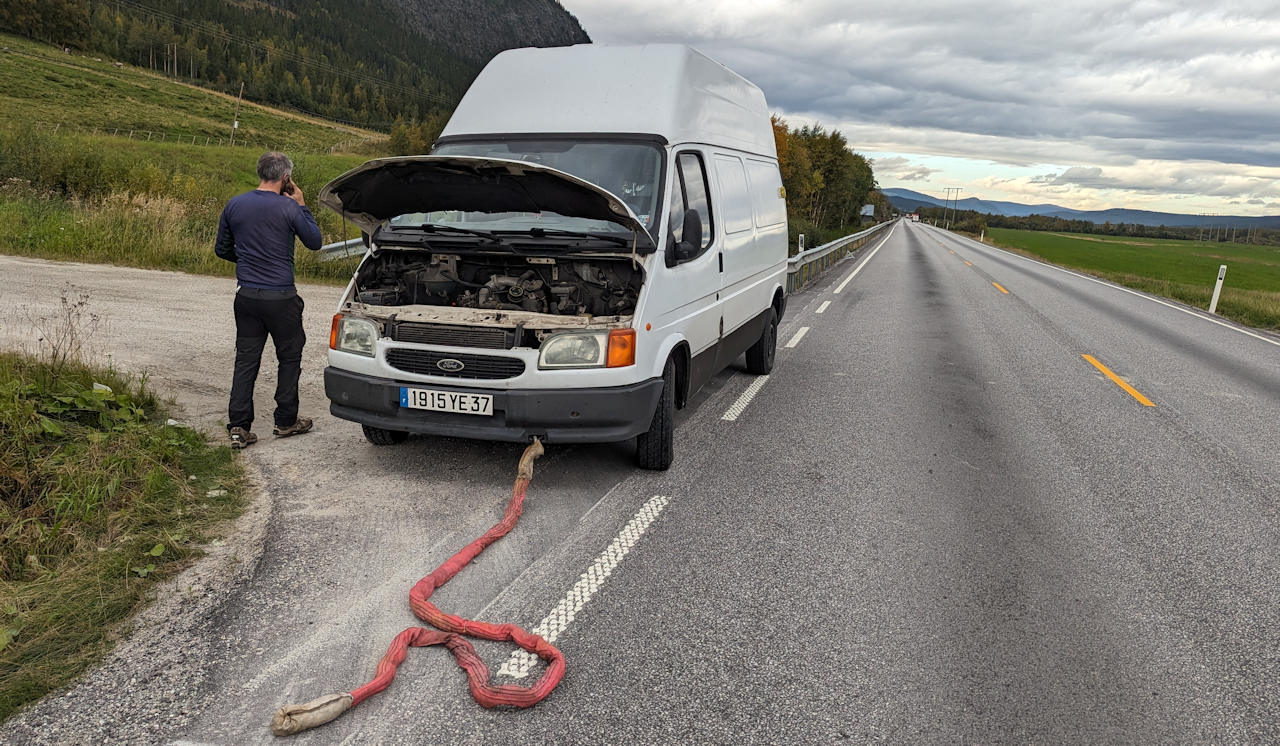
668,90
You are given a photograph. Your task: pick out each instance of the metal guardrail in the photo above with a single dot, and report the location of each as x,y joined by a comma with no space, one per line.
801,268
804,267
342,249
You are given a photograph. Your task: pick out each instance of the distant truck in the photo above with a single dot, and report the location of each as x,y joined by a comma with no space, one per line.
596,233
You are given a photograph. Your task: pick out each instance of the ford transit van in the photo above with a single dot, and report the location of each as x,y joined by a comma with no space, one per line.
597,231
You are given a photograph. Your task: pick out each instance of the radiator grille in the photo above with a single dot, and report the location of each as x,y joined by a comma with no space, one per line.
453,336
475,367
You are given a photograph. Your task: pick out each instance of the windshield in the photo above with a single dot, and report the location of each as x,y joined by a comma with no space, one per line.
631,171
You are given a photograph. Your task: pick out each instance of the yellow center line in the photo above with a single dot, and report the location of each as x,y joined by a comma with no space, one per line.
1000,288
952,250
1144,401
966,261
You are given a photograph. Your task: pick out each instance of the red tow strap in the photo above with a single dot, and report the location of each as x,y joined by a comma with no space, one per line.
451,631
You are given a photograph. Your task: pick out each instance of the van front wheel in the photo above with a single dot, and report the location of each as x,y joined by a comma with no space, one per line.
656,448
761,354
383,437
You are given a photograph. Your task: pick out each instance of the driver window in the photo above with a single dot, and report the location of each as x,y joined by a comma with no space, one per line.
690,192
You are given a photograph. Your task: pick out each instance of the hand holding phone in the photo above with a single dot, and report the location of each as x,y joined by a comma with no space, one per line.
291,190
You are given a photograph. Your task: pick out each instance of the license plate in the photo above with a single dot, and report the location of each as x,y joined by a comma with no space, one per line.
446,401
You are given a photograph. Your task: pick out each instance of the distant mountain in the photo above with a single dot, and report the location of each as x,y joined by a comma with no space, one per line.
907,200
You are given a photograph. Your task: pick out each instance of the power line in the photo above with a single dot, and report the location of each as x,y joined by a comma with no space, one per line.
224,35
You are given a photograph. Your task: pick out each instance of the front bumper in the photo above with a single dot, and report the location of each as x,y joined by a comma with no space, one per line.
594,415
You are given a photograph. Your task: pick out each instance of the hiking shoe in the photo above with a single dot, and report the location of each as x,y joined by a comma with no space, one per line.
300,426
241,438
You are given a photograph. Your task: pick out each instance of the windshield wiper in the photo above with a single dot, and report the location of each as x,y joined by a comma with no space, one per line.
544,232
449,229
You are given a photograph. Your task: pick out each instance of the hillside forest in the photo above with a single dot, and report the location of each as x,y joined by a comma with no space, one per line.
361,62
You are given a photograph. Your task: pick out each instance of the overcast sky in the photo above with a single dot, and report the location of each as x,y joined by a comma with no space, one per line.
1159,105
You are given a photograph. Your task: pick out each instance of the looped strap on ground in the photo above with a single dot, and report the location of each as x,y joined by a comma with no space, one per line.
450,631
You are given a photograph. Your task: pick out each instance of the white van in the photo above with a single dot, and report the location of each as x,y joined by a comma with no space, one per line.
597,232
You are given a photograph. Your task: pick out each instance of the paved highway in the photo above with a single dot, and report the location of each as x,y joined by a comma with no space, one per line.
979,499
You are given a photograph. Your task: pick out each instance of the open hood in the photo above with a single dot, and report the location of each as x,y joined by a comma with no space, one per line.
383,188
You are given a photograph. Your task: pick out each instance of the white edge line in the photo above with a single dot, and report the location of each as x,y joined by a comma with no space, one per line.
823,307
799,335
864,262
559,618
735,411
1123,289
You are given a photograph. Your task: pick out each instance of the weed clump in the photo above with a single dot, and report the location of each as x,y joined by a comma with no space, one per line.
100,495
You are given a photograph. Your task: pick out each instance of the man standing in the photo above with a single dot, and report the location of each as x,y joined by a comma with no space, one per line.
256,232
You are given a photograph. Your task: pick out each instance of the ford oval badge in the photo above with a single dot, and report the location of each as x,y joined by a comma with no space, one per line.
449,365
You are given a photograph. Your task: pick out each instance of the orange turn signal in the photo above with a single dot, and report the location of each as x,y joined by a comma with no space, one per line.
622,348
333,331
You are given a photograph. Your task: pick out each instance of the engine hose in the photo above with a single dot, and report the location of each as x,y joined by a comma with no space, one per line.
450,631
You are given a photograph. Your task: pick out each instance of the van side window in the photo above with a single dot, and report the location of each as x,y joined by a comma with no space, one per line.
736,199
690,193
766,193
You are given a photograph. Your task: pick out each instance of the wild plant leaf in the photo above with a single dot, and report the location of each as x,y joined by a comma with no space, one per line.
156,550
49,427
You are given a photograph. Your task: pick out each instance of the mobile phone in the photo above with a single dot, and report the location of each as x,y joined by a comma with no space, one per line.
286,187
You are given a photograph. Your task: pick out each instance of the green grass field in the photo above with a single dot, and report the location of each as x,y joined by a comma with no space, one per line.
1182,270
40,84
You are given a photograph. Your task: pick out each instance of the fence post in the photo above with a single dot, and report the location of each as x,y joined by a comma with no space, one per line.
163,135
148,135
130,134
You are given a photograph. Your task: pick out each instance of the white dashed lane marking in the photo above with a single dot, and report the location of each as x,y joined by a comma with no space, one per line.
740,405
558,620
823,307
799,336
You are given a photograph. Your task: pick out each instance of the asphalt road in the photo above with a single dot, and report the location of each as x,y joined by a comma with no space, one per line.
935,521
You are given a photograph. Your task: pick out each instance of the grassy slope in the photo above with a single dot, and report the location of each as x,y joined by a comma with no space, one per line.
104,198
1184,270
38,83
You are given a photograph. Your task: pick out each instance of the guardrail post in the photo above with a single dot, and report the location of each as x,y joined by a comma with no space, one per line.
1217,289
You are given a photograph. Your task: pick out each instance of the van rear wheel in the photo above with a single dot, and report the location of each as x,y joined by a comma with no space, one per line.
760,355
656,448
383,437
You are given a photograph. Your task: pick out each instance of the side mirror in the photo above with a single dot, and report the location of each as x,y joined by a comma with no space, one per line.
692,232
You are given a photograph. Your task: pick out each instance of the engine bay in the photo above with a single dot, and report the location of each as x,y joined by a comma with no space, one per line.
565,286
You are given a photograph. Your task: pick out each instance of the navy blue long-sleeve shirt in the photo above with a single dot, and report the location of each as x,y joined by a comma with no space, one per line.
256,232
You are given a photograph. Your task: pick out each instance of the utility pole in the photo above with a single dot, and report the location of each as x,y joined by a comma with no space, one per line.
235,122
948,205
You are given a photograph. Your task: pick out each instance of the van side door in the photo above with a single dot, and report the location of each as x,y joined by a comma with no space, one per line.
753,245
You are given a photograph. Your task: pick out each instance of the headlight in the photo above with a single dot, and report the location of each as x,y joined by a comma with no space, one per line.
353,334
613,349
574,350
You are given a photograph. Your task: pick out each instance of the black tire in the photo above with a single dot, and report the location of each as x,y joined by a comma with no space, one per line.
760,355
656,448
383,437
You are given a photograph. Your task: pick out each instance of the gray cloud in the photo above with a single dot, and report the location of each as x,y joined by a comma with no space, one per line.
1164,79
902,169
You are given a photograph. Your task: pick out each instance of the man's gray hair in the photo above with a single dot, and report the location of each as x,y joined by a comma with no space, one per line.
274,166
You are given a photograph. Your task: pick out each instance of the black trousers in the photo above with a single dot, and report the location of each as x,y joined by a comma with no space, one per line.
258,315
